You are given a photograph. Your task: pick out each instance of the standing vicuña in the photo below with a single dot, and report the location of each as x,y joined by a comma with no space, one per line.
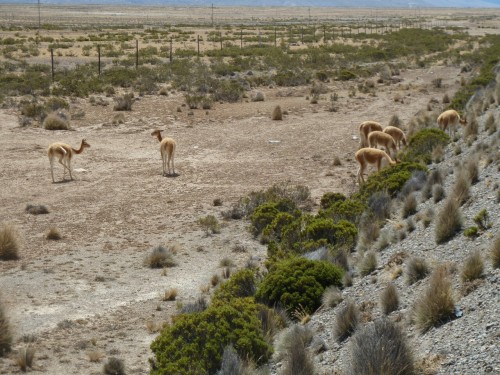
64,153
367,156
167,149
449,120
379,138
366,128
397,134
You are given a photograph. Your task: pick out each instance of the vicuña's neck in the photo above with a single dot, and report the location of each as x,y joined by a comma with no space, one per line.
79,151
159,137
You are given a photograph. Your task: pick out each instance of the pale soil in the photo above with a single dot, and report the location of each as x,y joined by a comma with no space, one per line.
92,285
89,294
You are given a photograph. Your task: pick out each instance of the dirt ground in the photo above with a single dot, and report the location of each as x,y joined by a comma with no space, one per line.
89,296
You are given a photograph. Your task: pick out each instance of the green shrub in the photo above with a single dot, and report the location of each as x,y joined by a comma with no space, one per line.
194,343
265,213
330,198
210,224
390,180
340,233
471,232
482,219
291,78
298,282
346,75
347,209
55,103
241,284
421,145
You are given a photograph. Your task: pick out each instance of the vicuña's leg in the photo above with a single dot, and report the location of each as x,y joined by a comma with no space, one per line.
173,168
69,169
164,161
51,160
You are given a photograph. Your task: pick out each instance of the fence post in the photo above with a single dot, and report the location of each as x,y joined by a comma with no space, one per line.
137,53
52,62
99,59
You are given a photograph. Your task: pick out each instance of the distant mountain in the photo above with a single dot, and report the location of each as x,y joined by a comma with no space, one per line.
288,3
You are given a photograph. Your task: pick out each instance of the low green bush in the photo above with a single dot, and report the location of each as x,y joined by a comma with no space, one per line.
241,284
265,213
194,343
390,180
330,198
347,209
298,283
421,145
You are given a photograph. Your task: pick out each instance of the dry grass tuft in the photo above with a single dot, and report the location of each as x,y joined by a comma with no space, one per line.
435,177
438,193
448,221
346,321
25,357
389,299
436,304
53,234
336,161
5,332
277,115
159,258
9,242
495,253
114,366
36,209
231,362
409,205
368,264
438,154
298,360
215,280
416,269
347,280
124,103
332,296
381,348
472,169
95,355
473,267
226,262
55,122
170,294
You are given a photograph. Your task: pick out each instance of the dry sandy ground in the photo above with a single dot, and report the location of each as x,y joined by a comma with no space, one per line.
89,294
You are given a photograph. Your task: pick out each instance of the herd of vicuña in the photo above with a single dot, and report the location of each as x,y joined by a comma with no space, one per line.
372,136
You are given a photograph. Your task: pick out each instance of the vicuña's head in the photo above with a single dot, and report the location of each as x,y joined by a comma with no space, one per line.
156,132
84,143
463,120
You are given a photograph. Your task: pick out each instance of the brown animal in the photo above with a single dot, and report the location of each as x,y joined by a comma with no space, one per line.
365,156
449,120
167,150
366,128
378,138
64,153
397,134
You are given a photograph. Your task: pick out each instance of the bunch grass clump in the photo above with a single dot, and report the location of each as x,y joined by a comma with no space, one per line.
346,321
381,348
37,209
53,234
5,332
495,253
448,221
368,264
54,121
416,270
114,366
277,114
160,257
389,299
10,242
473,267
436,304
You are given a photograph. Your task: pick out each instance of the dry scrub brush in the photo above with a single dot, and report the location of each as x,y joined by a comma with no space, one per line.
473,267
380,348
277,114
436,304
416,270
5,332
332,296
159,258
55,122
495,253
297,360
9,242
449,221
368,263
389,299
346,321
53,234
114,366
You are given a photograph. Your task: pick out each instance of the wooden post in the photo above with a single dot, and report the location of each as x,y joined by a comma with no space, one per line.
99,59
171,42
137,53
52,62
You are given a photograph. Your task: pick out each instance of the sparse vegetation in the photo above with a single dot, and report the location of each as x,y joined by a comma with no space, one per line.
36,209
53,234
54,121
210,224
368,264
449,221
5,331
160,257
416,269
473,267
114,366
346,321
495,252
389,299
9,242
277,113
436,304
381,348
